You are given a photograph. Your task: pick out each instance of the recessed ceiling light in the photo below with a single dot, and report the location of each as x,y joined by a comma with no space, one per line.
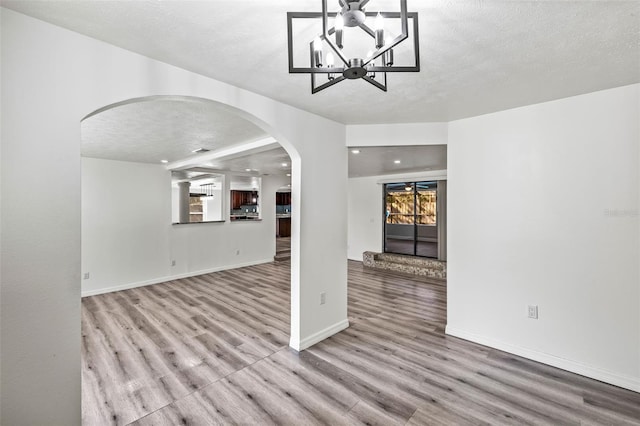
199,150
247,170
289,185
397,161
164,161
355,151
285,164
288,174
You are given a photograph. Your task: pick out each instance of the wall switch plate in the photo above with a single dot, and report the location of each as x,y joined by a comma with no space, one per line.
173,263
323,298
237,252
532,311
86,276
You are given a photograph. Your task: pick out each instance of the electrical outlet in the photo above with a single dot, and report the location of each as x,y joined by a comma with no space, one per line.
86,276
323,298
173,263
533,311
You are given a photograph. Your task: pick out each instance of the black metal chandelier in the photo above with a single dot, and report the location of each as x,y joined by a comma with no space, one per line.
367,66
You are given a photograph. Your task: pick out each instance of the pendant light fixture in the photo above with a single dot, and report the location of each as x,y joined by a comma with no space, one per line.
335,64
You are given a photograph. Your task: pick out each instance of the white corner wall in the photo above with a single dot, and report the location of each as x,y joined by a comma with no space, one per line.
51,79
543,210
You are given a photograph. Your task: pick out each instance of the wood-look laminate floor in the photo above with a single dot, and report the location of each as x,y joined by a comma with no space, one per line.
213,350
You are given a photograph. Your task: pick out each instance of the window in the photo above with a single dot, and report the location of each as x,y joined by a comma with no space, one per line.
411,218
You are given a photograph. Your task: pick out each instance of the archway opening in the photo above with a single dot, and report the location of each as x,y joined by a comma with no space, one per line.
176,301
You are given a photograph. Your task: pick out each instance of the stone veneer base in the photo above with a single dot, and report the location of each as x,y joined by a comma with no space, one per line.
415,265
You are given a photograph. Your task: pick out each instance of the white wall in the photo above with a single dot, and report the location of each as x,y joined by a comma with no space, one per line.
365,209
51,79
128,239
531,196
126,220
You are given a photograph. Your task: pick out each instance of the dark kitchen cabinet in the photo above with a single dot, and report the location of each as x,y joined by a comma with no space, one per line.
283,198
243,198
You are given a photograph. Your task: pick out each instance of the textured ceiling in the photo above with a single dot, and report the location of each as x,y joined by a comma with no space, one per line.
163,128
477,56
381,160
170,128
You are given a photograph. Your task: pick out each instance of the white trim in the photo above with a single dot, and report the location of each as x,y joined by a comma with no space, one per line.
427,175
300,345
626,382
170,278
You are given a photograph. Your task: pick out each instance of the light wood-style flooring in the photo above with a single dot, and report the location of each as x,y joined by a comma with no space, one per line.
213,350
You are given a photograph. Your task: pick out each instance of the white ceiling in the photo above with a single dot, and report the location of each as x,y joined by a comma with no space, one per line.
477,56
163,128
170,128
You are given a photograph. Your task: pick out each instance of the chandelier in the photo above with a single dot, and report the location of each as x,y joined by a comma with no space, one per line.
371,66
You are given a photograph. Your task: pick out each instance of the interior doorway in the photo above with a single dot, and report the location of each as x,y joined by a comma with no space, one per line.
283,225
412,219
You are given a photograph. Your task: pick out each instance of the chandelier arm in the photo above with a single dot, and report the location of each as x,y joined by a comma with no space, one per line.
329,83
324,70
290,39
363,3
416,40
403,18
377,84
393,69
367,30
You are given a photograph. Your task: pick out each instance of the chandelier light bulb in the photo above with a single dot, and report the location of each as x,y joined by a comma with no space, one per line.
339,24
317,44
378,24
330,60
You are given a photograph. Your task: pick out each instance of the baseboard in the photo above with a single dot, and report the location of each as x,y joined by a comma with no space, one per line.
171,278
630,383
319,336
